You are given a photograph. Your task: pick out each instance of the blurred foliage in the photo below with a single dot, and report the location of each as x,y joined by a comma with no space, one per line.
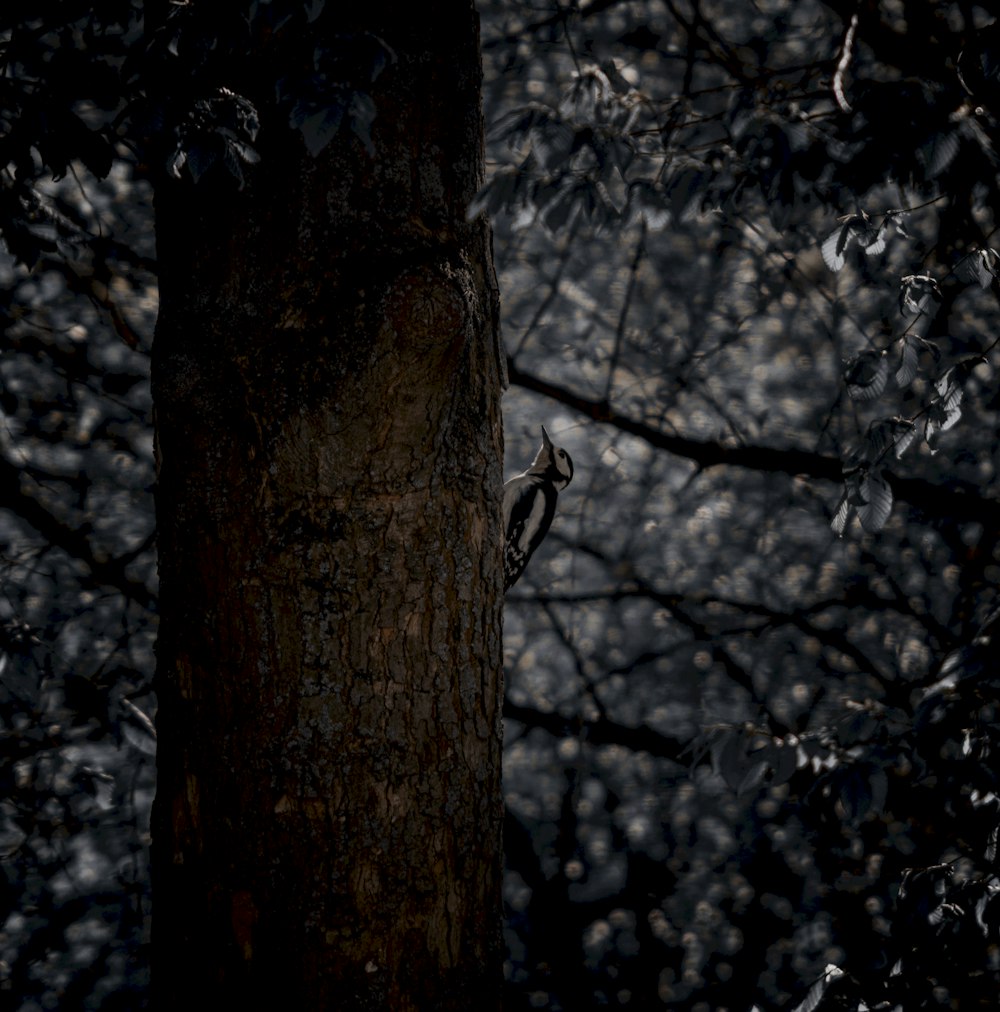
77,571
745,254
748,276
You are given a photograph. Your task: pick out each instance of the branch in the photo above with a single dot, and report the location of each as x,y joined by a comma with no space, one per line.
912,51
953,500
603,732
843,63
592,9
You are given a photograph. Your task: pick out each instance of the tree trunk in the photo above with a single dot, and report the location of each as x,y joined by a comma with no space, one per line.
326,832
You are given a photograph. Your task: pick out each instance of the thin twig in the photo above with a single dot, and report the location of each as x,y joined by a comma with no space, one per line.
842,64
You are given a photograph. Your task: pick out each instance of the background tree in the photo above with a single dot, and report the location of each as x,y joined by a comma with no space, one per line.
748,282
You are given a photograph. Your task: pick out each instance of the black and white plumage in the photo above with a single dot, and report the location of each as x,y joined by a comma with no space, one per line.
529,504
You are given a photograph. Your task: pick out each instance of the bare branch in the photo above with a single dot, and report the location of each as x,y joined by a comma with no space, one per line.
956,501
842,64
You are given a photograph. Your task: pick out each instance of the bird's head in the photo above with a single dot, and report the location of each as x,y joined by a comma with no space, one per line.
552,462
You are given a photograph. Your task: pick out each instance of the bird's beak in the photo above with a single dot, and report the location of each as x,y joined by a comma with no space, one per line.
545,438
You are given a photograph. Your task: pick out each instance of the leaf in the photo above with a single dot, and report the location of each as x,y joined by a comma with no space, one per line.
319,128
177,162
938,153
907,362
221,126
863,790
873,242
866,375
138,739
894,218
856,228
878,782
859,726
558,212
742,112
572,197
505,191
596,203
904,433
842,515
236,154
785,762
876,503
90,146
855,794
516,126
833,250
553,145
615,78
728,756
950,392
589,97
917,293
362,114
886,434
647,203
238,148
980,266
200,159
741,772
815,994
946,409
686,190
612,151
753,777
384,56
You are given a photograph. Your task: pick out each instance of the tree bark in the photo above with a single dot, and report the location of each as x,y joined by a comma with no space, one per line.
327,826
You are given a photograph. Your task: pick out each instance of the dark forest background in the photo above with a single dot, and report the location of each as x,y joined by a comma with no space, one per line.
747,275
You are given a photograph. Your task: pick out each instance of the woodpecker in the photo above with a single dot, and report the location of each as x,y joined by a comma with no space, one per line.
529,504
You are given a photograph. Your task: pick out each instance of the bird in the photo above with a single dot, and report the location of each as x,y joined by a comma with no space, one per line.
529,504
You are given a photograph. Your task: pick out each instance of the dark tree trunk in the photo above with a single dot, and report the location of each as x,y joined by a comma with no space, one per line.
326,831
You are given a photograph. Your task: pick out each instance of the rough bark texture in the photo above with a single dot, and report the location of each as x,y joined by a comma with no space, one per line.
326,831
